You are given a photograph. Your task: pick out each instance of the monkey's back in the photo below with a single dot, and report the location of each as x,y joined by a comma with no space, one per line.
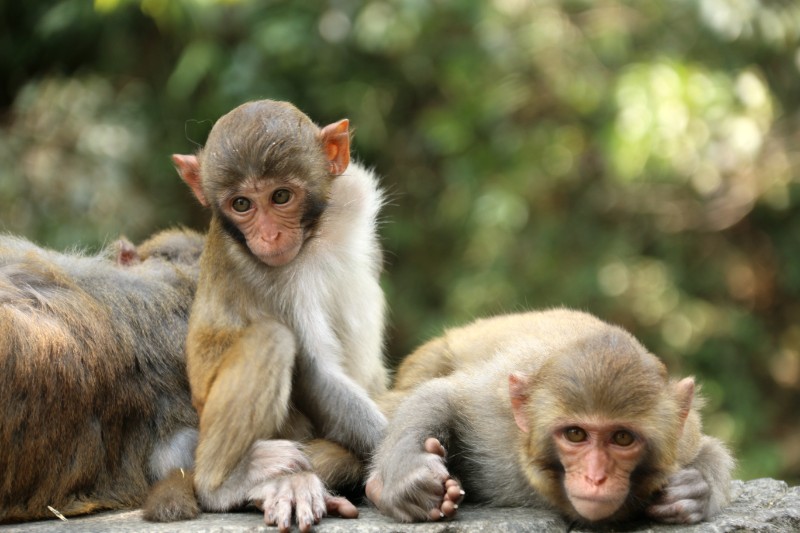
500,340
91,375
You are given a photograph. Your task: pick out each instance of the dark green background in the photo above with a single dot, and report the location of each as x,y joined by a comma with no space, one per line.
635,159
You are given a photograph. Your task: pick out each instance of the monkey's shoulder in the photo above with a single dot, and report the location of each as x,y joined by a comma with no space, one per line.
526,338
355,195
30,273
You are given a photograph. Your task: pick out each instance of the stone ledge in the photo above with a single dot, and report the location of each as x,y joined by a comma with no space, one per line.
762,505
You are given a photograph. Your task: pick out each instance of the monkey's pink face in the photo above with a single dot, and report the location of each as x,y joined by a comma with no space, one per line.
269,214
598,459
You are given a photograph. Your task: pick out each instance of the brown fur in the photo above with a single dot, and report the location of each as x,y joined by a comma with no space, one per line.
91,371
174,498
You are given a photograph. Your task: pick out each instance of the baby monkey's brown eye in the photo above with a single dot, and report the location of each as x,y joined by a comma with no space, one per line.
281,196
575,434
623,438
240,204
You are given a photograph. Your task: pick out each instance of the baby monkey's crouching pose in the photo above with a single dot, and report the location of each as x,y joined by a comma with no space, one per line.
284,349
553,407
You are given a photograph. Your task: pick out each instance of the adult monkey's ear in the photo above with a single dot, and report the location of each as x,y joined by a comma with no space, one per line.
684,392
518,384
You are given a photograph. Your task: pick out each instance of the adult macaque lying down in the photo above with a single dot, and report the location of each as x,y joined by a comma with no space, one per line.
94,398
546,408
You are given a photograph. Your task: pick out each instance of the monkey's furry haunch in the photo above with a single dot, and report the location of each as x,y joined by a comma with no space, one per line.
94,398
546,408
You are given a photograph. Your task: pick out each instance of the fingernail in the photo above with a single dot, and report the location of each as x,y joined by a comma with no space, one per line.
455,506
461,492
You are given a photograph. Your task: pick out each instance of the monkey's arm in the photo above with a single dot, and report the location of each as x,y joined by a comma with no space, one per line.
409,480
700,489
338,407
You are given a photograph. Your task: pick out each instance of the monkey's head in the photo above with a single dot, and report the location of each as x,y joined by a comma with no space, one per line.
266,172
177,245
602,426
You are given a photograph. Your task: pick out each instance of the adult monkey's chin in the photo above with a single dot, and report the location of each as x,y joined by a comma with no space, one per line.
595,509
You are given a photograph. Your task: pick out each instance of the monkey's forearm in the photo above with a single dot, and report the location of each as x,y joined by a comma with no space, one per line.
338,407
409,476
715,464
427,412
697,491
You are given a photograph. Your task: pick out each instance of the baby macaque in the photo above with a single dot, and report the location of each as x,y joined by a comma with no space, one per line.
95,400
546,408
284,350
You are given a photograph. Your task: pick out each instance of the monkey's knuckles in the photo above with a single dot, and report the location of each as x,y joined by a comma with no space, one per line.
680,512
684,500
675,510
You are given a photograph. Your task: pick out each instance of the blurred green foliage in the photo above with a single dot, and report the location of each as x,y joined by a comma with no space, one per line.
638,159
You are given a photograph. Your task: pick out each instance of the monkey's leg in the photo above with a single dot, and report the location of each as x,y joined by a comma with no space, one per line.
273,473
247,400
409,480
337,467
172,497
176,452
299,492
699,490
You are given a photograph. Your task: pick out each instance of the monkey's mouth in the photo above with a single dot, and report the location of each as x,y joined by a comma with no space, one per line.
279,257
596,507
594,497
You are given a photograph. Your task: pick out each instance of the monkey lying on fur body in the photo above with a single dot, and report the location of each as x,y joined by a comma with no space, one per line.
284,349
95,400
551,407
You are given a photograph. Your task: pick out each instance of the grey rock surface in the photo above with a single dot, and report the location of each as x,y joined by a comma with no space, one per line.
762,505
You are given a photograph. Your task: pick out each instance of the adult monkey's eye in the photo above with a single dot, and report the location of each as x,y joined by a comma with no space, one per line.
281,196
575,434
240,204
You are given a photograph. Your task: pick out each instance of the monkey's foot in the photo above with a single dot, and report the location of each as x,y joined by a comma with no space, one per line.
301,493
172,499
684,500
427,492
341,507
